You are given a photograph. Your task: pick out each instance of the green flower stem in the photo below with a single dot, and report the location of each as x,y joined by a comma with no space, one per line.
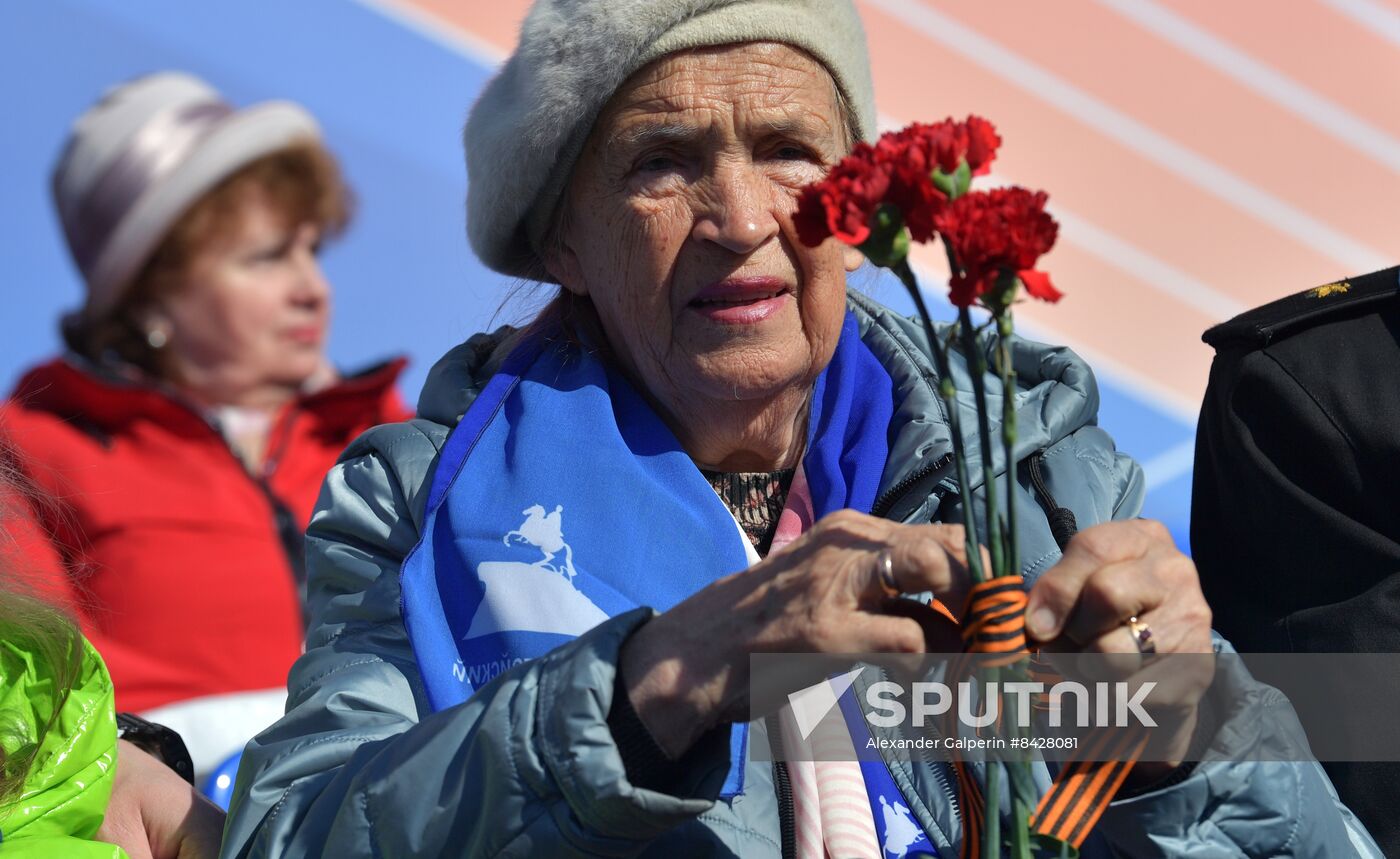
991,820
1018,771
945,390
1008,432
977,360
991,812
978,371
1019,836
1021,831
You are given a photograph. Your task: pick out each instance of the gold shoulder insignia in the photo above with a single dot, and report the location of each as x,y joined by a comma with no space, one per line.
1329,289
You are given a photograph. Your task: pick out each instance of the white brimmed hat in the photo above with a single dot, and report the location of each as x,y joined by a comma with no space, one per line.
139,158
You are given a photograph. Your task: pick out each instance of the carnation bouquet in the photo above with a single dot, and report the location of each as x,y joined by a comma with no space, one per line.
914,185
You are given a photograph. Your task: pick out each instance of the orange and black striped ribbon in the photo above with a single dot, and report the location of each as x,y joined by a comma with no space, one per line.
994,625
1087,784
1044,673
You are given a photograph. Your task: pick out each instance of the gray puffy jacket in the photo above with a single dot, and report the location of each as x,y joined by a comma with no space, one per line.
360,766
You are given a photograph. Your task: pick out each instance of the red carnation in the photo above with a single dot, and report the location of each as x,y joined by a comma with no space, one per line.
910,157
918,199
897,170
940,144
946,144
982,143
991,233
841,204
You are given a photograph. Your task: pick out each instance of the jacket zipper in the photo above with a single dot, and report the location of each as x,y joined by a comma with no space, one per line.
292,539
278,438
896,493
782,786
941,768
289,533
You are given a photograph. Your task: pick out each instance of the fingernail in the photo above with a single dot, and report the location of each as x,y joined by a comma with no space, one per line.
1041,622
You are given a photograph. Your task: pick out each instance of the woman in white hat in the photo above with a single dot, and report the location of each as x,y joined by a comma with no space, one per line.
189,425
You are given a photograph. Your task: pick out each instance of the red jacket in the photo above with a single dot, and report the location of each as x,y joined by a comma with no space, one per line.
182,567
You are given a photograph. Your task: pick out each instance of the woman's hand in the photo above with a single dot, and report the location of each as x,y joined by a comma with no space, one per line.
1115,571
686,670
155,814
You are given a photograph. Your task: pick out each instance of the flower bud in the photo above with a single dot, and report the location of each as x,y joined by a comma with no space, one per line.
889,240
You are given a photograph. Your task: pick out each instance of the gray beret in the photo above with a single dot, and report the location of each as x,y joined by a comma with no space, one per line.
528,128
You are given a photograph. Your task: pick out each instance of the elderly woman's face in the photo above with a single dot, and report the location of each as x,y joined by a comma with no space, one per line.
679,224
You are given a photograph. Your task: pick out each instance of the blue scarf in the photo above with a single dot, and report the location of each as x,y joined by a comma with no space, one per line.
561,499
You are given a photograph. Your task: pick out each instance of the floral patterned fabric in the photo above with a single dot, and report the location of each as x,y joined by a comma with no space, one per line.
756,499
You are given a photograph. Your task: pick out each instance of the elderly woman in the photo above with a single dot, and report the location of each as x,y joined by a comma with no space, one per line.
533,608
188,429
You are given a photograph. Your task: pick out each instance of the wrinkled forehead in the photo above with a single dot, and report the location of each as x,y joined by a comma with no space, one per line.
762,85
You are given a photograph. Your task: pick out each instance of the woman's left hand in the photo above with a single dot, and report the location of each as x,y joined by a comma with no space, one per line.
1116,571
155,814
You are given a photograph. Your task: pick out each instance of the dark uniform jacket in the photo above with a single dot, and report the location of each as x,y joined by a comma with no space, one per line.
1295,519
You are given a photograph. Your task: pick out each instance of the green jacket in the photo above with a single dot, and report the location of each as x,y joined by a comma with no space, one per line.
66,790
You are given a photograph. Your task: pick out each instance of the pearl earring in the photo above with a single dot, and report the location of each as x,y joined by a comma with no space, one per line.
156,338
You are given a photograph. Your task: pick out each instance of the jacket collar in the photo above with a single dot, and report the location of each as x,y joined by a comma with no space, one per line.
1056,395
106,397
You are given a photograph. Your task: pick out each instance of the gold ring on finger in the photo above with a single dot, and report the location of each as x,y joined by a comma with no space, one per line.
1142,636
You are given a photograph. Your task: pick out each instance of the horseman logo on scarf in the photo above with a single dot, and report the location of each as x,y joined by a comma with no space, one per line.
557,430
534,597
